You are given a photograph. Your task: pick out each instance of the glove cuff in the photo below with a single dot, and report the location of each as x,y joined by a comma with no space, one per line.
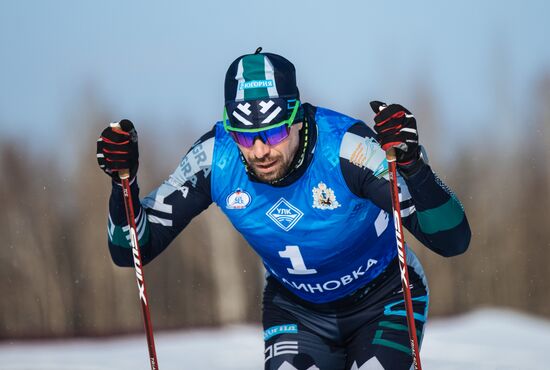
412,167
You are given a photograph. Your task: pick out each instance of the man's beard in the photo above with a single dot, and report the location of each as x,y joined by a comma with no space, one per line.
276,173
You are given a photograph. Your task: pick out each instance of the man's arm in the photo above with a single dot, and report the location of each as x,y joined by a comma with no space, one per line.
167,210
430,211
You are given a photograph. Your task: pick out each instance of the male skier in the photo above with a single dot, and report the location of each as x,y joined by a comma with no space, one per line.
308,189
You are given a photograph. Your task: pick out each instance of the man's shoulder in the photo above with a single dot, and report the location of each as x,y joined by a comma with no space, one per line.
360,148
198,158
210,135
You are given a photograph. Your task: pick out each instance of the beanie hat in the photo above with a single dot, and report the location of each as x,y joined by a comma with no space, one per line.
260,90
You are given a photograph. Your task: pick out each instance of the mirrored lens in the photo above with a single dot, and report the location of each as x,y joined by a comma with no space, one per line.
272,136
245,139
275,135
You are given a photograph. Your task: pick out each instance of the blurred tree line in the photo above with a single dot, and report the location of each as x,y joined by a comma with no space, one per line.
57,278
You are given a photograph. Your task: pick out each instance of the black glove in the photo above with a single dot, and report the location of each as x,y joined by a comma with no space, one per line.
117,149
395,127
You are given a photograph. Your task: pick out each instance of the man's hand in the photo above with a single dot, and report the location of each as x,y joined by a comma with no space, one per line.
117,149
396,127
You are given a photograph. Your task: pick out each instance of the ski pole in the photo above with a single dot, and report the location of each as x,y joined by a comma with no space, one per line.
140,278
391,158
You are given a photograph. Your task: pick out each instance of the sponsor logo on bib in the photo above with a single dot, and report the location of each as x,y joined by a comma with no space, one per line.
284,214
239,199
324,198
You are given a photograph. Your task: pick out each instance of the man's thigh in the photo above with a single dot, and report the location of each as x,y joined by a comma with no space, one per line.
302,351
296,338
383,343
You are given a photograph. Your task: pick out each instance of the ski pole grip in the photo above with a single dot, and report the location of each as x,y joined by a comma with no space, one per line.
390,155
123,174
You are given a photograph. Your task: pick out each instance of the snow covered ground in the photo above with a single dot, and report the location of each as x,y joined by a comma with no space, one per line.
484,340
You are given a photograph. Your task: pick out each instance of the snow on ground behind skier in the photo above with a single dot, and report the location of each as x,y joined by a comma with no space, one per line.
482,340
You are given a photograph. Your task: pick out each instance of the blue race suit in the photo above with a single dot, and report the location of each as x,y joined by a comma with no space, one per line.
315,236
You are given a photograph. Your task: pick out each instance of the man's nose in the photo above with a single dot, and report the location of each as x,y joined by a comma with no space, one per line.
259,148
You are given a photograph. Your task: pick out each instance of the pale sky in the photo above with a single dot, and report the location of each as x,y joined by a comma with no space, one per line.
166,60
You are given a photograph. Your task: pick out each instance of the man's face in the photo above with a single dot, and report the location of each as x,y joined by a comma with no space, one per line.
271,162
